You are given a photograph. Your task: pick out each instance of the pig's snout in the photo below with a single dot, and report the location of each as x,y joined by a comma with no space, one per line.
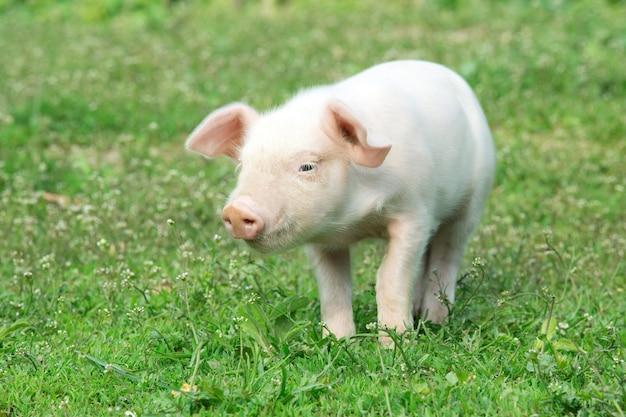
242,219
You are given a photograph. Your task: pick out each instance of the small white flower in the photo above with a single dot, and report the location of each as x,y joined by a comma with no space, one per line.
371,326
65,401
478,262
102,243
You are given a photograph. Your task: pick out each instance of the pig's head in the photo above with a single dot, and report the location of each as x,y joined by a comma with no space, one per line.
294,165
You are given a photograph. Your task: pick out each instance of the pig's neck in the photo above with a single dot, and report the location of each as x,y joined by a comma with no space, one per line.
365,211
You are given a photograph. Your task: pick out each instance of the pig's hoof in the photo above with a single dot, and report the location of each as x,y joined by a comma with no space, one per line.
386,341
388,334
344,331
435,312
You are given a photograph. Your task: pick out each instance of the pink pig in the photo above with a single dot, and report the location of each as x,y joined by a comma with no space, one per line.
401,151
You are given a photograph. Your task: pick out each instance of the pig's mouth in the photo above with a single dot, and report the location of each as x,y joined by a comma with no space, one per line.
262,245
285,235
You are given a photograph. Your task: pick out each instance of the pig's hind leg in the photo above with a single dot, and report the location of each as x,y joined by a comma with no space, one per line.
442,264
334,281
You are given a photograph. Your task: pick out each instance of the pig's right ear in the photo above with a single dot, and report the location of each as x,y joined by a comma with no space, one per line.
222,132
363,146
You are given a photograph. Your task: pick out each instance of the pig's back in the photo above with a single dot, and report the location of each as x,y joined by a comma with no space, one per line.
439,134
424,95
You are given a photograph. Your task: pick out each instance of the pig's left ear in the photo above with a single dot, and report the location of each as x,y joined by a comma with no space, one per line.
222,132
364,147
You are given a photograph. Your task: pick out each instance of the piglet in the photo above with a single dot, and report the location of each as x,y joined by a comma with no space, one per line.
401,151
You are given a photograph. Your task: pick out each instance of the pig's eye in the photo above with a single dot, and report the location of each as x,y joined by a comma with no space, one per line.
309,166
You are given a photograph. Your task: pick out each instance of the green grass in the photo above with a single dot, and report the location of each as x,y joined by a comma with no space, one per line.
126,287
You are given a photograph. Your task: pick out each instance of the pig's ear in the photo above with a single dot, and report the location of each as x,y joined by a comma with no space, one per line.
222,132
364,147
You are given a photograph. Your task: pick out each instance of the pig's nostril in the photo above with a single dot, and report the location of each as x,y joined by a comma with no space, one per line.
241,220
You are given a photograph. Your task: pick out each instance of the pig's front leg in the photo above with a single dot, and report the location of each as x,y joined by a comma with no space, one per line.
398,273
332,269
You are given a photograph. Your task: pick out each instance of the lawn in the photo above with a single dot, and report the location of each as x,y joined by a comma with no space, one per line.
122,293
